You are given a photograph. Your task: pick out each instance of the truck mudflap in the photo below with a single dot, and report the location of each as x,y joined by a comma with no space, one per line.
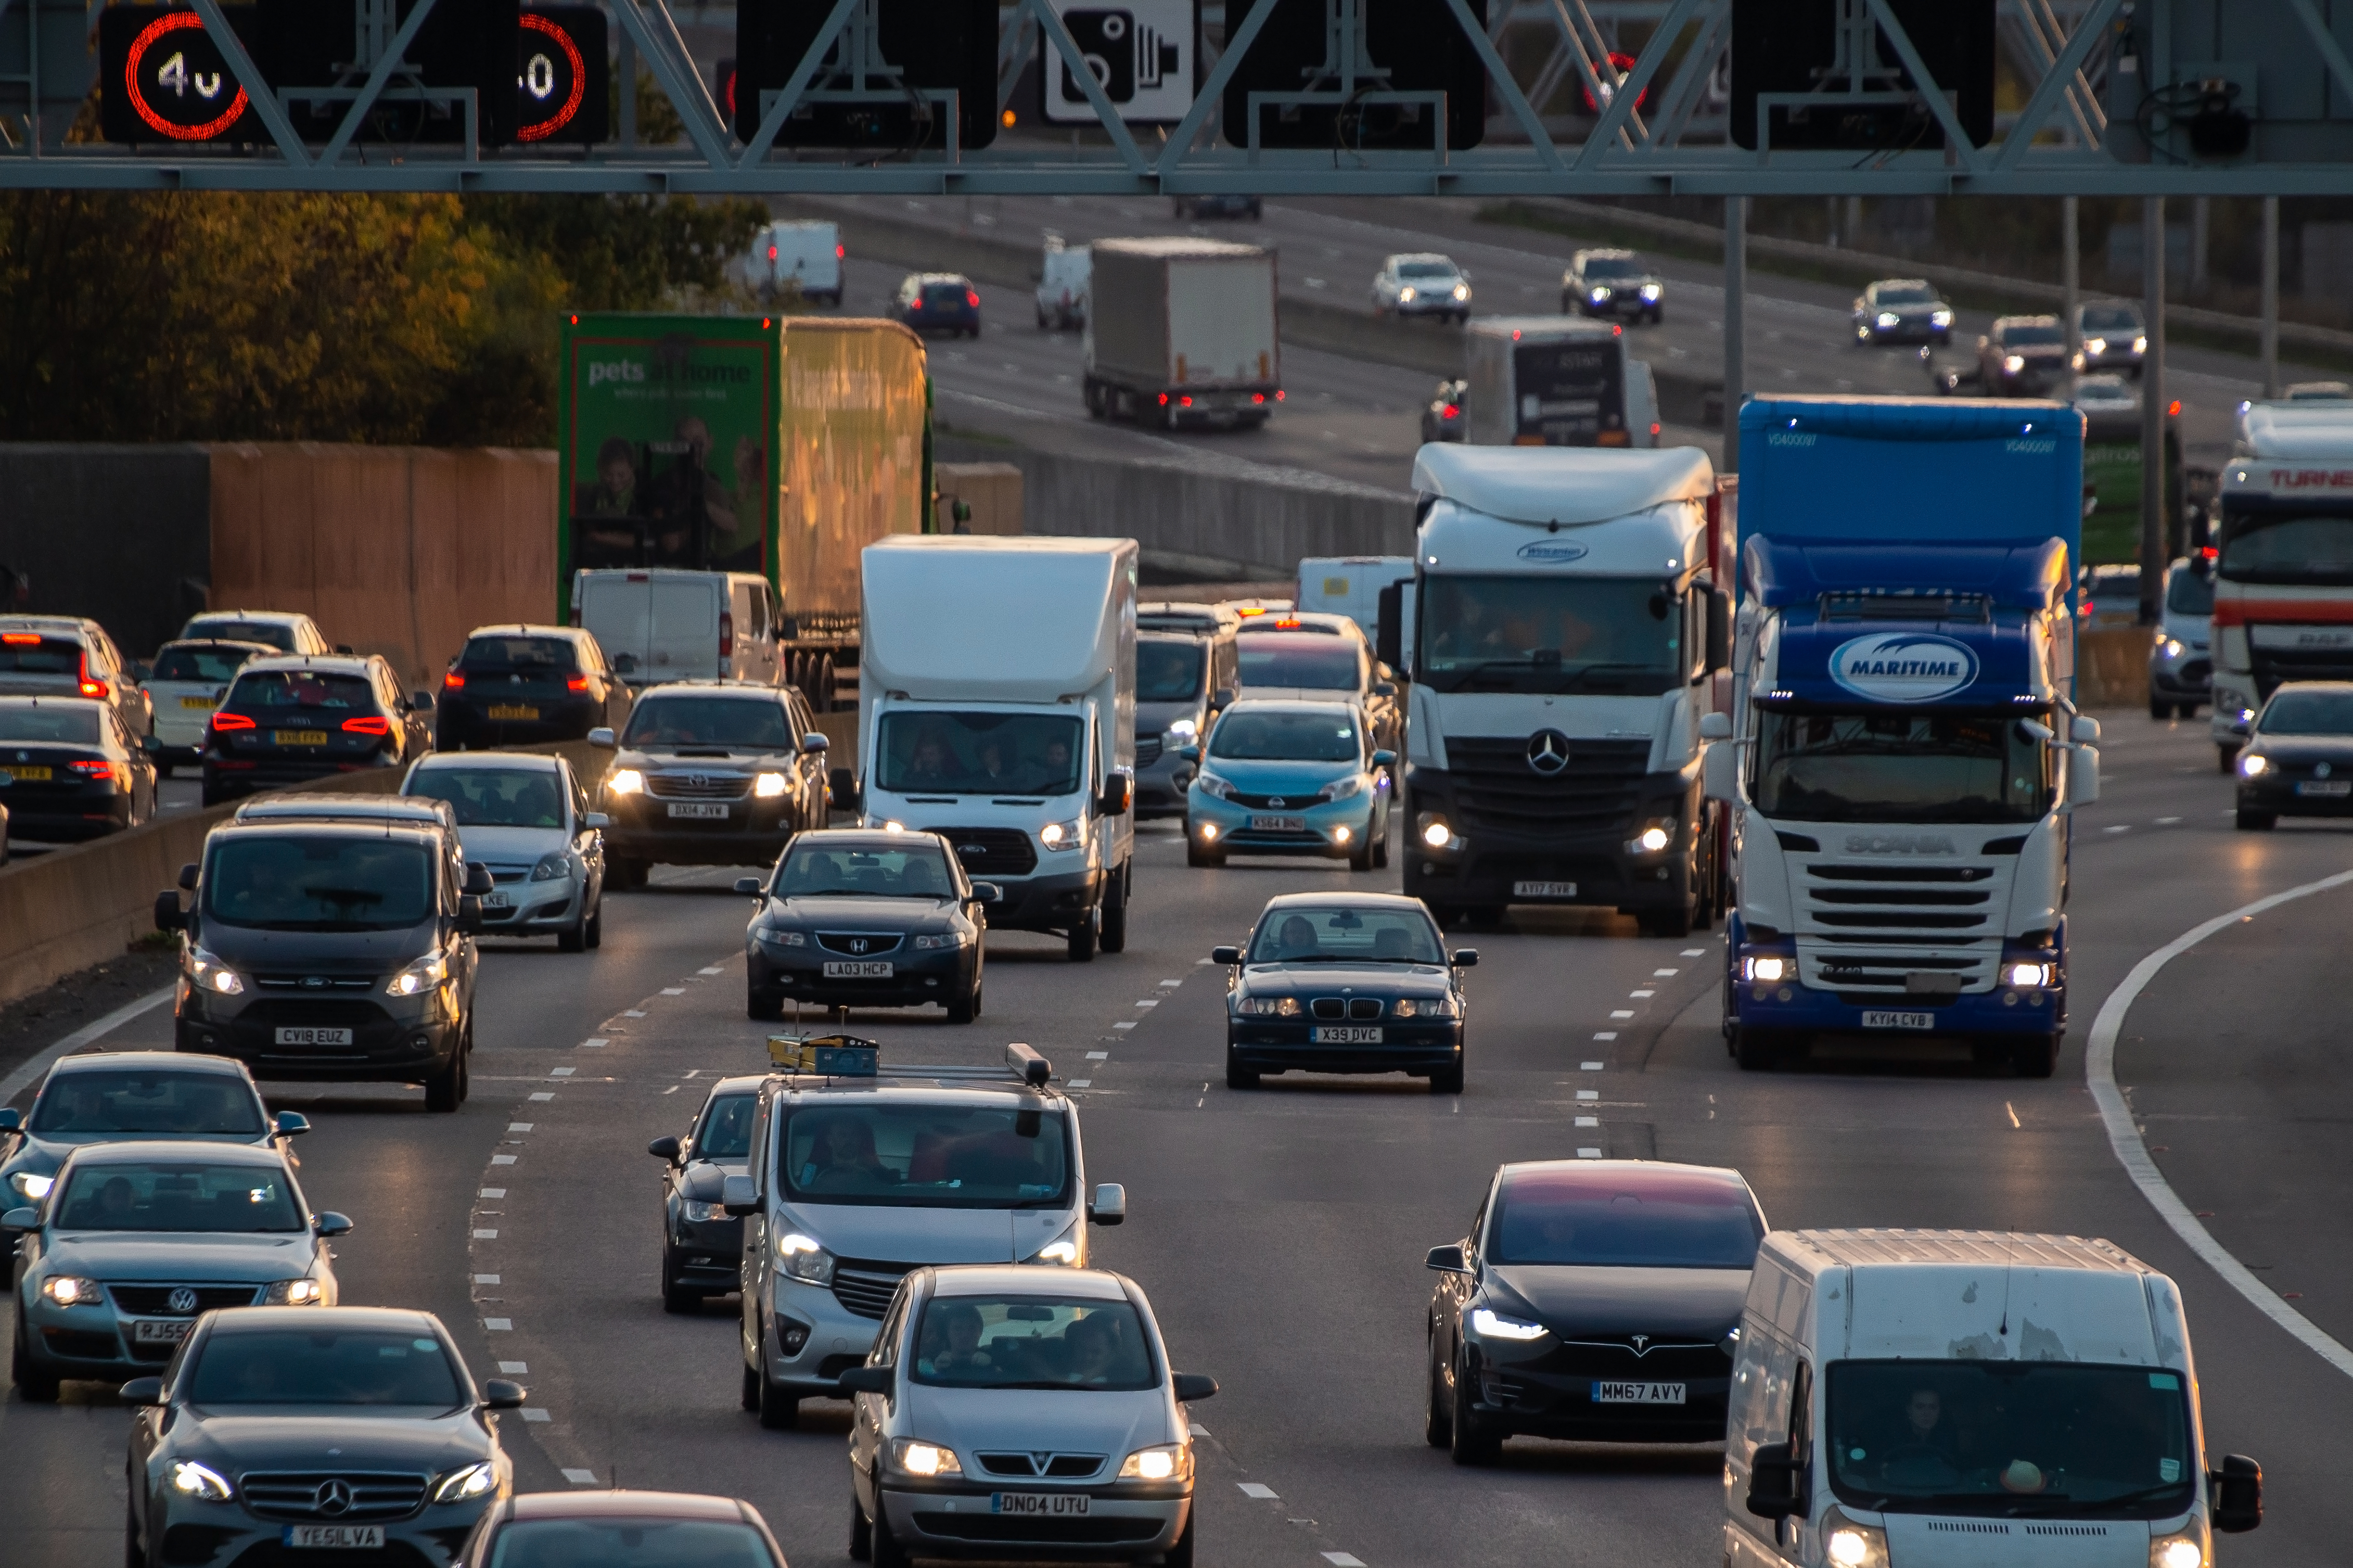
1765,999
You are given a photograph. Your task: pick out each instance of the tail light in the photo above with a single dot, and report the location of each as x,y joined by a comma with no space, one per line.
971,298
839,253
578,683
90,688
21,639
772,253
1278,395
91,768
1164,400
916,304
368,724
1451,411
454,682
726,634
1185,401
231,722
1257,397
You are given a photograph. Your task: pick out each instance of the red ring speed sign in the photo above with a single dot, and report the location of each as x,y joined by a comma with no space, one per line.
204,131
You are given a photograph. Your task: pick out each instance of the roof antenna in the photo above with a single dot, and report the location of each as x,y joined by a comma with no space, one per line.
2009,1262
616,1478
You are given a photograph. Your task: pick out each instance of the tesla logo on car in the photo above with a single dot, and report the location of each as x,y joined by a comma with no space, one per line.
1547,752
1640,1341
181,1299
334,1496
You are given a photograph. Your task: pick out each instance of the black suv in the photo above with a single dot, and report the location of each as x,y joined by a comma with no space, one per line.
711,772
330,952
516,685
306,716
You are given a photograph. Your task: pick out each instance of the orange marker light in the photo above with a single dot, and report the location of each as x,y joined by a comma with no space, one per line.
21,639
454,682
1008,117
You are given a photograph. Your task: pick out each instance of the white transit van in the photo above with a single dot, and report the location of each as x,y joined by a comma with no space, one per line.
806,253
657,624
1964,1399
1350,586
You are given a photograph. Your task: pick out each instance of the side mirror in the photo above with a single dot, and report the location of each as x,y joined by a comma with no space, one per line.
469,915
168,916
1775,1483
480,883
189,878
1190,753
1383,758
1448,1261
11,1119
597,821
816,741
344,648
1222,699
2237,1494
1719,629
150,743
844,784
1465,958
665,1148
142,1390
331,1224
864,1380
1118,793
1384,687
602,736
748,886
1715,726
498,1394
420,698
1228,955
1388,625
1192,1387
1720,770
2082,777
988,893
739,1197
1110,1206
21,1219
291,1123
2084,730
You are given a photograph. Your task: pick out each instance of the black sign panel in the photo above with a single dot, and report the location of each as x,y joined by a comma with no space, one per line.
934,44
161,78
563,80
1570,394
461,43
1787,45
1416,41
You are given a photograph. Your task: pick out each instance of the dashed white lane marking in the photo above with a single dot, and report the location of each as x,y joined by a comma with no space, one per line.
1638,995
1170,985
1605,1034
1124,1024
1203,962
714,969
486,1279
1663,973
1589,1067
1622,1013
1588,1121
2013,1113
491,1193
1343,1560
1258,1490
481,1235
673,991
581,1477
672,1090
543,1094
1082,1083
1196,1429
520,1368
502,1159
521,1126
1098,1056
1695,952
632,1012
1589,1153
1149,1002
562,1072
499,1325
1588,1094
534,1413
2119,827
594,1045
2167,821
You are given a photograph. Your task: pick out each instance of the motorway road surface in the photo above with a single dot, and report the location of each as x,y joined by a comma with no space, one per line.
1280,1233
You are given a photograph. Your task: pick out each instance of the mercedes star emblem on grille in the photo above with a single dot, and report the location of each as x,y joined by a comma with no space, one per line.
181,1299
334,1496
1547,752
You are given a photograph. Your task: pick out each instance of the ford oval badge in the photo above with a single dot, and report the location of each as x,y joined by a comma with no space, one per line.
1902,667
1552,551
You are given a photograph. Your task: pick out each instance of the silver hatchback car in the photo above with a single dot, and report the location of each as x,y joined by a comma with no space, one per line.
1014,1412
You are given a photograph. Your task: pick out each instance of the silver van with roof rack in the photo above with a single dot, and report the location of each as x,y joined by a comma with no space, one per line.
857,1178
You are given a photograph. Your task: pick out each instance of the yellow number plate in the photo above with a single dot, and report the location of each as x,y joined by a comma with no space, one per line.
28,776
298,737
512,711
203,702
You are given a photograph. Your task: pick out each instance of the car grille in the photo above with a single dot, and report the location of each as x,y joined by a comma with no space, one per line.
319,985
302,1013
859,944
156,1301
1104,1530
1059,1467
508,873
2197,672
865,1287
698,786
339,1497
1148,750
2273,666
1612,1359
1597,790
396,1553
1345,1007
1275,802
1864,929
992,851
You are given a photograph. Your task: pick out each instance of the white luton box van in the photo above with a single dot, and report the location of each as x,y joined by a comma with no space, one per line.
1953,1399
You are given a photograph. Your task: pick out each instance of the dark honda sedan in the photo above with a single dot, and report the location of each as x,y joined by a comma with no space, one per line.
702,1246
69,771
2298,758
513,686
1596,1300
1355,983
307,716
861,916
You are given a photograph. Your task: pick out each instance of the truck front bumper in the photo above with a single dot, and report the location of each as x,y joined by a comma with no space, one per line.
1454,859
1762,991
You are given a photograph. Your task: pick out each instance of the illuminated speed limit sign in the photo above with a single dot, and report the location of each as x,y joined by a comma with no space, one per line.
563,80
162,78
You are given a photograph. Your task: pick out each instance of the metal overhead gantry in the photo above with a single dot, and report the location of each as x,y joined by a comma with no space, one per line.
2121,98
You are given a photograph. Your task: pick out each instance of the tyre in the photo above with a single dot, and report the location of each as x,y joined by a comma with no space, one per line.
624,875
1675,923
1756,1050
2037,1056
1238,1075
133,1555
861,1533
675,1297
780,1411
966,1007
765,1008
1437,1411
1180,1555
33,1385
1447,1080
1381,850
2256,821
445,1091
1114,926
1208,859
1082,939
163,769
1473,1442
2225,758
575,940
751,1395
1360,859
2158,709
887,1553
595,930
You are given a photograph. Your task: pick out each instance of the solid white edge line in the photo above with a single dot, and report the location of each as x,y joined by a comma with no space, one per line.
2132,1150
86,1034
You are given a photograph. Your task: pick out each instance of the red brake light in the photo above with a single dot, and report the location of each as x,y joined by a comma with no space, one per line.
1616,331
454,682
839,253
578,683
91,768
1186,402
971,298
916,304
1257,397
726,634
1278,395
1164,400
368,724
2211,552
1452,411
96,689
2173,409
231,722
772,253
21,639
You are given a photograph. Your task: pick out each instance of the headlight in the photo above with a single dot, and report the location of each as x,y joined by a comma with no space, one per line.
209,973
1650,293
1061,836
2250,766
1768,969
1652,839
697,1213
1941,318
1341,789
1424,1008
2182,1549
942,940
2096,345
917,1457
1161,1462
295,1293
768,786
191,1479
475,1480
1183,732
30,1186
1062,1252
1404,294
1598,295
625,781
1493,1325
785,937
1462,291
2140,345
1847,1545
1213,786
555,863
1889,319
1434,832
2172,645
2013,362
1267,1006
72,1291
420,976
804,1260
2029,974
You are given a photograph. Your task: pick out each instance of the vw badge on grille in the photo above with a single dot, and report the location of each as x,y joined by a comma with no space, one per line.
1547,752
181,1299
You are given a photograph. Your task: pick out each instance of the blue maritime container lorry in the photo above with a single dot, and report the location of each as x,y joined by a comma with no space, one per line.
1900,750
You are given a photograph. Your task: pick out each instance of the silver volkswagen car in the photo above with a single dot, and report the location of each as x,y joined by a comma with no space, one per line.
1012,1413
526,817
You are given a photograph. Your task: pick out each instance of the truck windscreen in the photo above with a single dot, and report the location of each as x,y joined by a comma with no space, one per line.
979,754
2286,544
2043,1438
1618,635
1570,394
1899,767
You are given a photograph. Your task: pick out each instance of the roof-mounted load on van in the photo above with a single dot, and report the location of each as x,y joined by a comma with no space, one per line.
852,1056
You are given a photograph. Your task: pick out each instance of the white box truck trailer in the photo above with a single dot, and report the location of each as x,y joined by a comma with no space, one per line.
996,706
1553,381
1182,333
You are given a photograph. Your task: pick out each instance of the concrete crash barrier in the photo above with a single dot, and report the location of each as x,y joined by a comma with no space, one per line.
2112,668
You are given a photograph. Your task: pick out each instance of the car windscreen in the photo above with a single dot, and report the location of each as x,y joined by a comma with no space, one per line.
1646,1219
734,723
1609,269
526,654
908,1155
1425,269
28,653
1603,635
818,870
2110,318
1243,735
52,726
726,1132
322,1365
2043,1439
344,883
1312,935
605,1541
2293,712
948,293
980,753
1031,1342
184,662
1168,671
2286,544
2189,593
276,694
494,798
178,1196
1906,296
128,1101
1311,660
270,634
2033,337
1899,767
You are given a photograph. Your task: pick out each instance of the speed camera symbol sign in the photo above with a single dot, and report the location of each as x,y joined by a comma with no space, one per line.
1141,52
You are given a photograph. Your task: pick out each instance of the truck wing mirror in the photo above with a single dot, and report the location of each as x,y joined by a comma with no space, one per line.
1720,770
1719,630
844,787
2082,777
2084,730
2237,1494
1715,726
1118,793
1389,628
1776,1480
602,738
167,912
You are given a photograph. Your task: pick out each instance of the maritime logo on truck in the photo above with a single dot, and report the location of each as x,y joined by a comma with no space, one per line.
1902,667
1552,551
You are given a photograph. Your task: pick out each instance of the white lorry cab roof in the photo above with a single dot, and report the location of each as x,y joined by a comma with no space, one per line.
2301,430
1565,485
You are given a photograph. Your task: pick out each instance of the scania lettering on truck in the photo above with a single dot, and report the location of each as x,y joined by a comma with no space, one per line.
2283,580
1902,752
1954,1399
997,708
1558,633
1542,381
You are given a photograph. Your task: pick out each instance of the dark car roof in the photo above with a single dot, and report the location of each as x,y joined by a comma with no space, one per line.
146,1062
262,1319
608,1504
422,833
134,1151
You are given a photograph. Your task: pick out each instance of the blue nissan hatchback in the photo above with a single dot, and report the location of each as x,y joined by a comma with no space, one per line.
1286,777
